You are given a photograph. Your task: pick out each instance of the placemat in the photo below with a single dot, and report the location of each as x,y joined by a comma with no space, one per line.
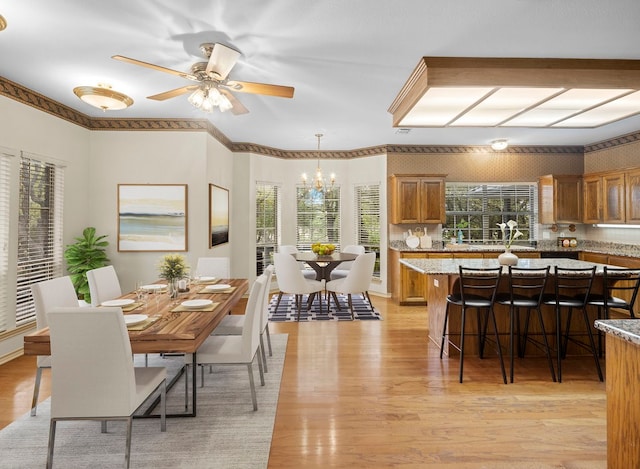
207,282
182,309
209,292
132,306
143,325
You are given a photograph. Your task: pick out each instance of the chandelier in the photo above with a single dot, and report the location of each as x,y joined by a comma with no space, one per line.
207,97
318,183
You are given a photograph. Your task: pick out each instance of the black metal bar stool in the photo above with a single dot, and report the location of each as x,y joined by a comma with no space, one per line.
572,288
526,288
477,292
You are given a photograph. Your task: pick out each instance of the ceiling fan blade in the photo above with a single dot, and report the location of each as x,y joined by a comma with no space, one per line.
222,60
238,107
262,88
173,93
188,76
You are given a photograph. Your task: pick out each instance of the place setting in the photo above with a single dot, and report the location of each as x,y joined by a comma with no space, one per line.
217,288
195,305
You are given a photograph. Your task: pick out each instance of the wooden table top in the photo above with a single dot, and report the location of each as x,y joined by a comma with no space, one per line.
174,332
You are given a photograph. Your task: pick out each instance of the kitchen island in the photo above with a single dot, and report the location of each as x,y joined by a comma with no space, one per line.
623,384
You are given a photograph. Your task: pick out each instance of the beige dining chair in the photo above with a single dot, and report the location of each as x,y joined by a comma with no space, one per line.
235,349
291,280
57,292
357,281
94,377
343,268
219,267
103,285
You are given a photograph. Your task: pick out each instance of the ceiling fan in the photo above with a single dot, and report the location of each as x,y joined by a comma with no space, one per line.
213,87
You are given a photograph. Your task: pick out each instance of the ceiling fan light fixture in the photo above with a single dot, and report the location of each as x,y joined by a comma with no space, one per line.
3,23
103,97
499,144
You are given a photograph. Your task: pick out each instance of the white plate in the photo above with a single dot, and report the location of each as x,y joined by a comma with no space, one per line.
217,287
413,242
123,302
195,304
207,279
153,287
134,319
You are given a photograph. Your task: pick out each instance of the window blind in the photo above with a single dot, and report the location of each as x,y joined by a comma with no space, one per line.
267,223
367,216
40,230
317,217
5,216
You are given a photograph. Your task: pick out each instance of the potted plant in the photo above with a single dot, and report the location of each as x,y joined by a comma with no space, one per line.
172,268
87,253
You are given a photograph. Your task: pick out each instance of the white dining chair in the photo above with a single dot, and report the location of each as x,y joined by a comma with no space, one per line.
357,281
103,285
219,267
94,377
292,281
235,349
289,249
232,324
343,268
46,296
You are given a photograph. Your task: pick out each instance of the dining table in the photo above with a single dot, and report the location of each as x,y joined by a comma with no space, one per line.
323,265
170,326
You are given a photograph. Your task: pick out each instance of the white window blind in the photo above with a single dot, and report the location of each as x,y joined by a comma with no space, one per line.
5,216
477,208
318,217
40,229
367,216
267,223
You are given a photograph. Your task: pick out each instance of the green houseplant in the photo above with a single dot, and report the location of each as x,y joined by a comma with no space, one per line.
87,253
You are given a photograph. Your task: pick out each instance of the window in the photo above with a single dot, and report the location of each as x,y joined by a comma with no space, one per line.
318,217
267,223
39,230
367,207
476,209
5,216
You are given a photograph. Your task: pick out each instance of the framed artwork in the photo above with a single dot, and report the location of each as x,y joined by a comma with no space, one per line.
218,215
152,217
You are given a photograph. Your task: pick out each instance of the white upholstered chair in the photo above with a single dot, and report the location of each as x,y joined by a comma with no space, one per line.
235,349
291,280
232,324
103,285
343,268
356,281
46,296
289,249
94,377
218,267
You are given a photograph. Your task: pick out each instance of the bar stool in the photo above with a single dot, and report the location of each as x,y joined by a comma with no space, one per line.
572,288
620,290
477,292
526,288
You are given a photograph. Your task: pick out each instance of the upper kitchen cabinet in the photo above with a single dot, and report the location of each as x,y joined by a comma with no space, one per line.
632,191
417,198
604,197
592,198
560,198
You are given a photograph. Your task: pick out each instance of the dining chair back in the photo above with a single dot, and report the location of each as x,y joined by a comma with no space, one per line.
289,249
620,291
343,268
477,290
219,267
357,281
94,377
57,292
292,281
103,285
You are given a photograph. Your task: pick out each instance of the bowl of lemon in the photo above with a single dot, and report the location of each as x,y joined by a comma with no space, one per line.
322,249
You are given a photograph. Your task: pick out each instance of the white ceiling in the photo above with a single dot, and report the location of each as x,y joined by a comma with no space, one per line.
347,59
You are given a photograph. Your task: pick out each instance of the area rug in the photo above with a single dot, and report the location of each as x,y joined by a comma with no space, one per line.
226,433
287,310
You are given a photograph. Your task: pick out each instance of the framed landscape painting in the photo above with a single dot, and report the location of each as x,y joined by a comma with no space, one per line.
152,217
218,215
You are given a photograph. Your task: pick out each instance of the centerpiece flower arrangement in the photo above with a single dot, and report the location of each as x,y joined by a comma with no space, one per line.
514,233
172,268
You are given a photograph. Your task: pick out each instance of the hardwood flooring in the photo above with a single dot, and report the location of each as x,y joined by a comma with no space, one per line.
375,394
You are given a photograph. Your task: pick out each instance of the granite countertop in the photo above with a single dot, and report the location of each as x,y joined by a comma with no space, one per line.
451,266
625,329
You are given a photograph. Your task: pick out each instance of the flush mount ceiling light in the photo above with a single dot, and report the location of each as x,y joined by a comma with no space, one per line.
103,97
499,144
513,92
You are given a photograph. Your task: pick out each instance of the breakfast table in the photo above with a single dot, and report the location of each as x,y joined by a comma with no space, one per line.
173,325
323,265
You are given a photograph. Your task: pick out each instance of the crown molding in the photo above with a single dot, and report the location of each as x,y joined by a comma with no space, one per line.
26,96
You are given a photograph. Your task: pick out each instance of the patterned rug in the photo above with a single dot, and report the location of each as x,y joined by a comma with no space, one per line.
287,310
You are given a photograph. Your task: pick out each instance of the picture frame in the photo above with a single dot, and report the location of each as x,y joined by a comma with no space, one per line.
218,215
152,217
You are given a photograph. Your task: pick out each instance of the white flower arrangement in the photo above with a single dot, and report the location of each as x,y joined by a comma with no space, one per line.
508,240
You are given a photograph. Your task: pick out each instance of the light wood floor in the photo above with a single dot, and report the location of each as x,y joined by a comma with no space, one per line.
375,394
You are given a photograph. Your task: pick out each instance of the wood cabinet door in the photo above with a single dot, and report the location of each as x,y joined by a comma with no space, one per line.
594,257
632,191
413,289
592,199
432,207
614,198
406,203
567,199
